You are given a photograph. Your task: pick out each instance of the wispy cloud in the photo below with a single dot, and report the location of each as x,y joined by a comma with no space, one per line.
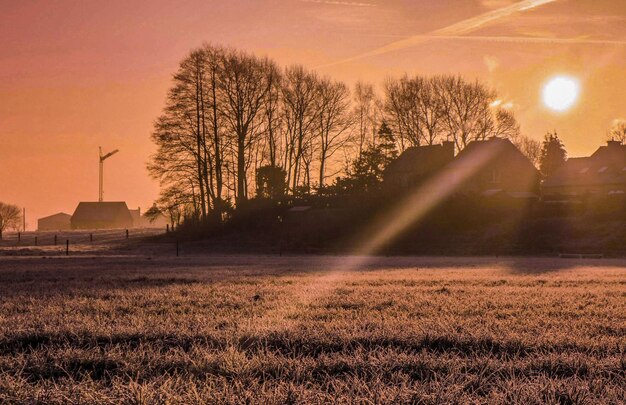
491,4
522,39
461,28
339,3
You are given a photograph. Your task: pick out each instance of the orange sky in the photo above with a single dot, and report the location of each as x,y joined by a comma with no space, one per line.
75,75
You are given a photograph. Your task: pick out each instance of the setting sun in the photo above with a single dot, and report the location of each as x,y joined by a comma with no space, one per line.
561,93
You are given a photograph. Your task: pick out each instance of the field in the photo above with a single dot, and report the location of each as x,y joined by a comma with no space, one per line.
151,327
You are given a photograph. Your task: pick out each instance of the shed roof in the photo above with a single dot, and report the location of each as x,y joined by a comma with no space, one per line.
60,215
101,211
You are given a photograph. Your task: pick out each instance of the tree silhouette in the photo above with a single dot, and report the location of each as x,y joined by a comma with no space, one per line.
387,142
270,182
553,154
618,132
10,217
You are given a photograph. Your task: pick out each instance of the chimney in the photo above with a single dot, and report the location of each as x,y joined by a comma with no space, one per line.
613,144
448,148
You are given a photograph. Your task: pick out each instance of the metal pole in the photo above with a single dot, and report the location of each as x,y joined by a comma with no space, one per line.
100,176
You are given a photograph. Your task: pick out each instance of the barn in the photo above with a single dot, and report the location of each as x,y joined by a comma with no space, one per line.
102,215
56,222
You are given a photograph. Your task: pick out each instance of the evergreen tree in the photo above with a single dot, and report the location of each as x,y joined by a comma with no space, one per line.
387,142
553,154
366,172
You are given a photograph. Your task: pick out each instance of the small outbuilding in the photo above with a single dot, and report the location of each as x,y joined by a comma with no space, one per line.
102,215
56,222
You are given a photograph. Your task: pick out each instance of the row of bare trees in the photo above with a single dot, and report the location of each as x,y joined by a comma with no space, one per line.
229,113
232,117
428,110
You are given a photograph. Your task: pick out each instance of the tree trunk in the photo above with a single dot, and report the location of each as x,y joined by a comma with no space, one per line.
198,141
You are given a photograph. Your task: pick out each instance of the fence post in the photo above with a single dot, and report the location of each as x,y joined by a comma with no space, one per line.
167,228
127,234
91,237
55,239
19,236
67,247
35,241
280,236
177,248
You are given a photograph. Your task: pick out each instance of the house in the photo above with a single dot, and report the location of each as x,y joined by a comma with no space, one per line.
493,169
101,215
601,175
418,163
56,222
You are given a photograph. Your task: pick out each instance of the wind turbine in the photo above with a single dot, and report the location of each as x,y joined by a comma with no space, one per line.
102,159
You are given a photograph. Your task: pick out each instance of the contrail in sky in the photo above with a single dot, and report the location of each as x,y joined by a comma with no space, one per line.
519,39
339,3
460,28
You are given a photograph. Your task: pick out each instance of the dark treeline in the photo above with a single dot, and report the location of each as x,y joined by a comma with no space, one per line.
238,126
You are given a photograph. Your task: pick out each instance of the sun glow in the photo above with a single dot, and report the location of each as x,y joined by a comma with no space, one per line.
561,93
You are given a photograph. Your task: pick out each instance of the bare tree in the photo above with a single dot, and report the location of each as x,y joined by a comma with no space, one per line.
467,112
333,121
180,134
366,114
531,148
402,112
273,114
504,124
618,132
299,94
414,110
10,217
244,88
215,174
429,109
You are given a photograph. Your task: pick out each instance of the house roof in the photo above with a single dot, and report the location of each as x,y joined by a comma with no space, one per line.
60,215
606,166
101,212
421,159
479,153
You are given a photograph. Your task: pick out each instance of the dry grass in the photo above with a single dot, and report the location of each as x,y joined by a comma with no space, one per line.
309,330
